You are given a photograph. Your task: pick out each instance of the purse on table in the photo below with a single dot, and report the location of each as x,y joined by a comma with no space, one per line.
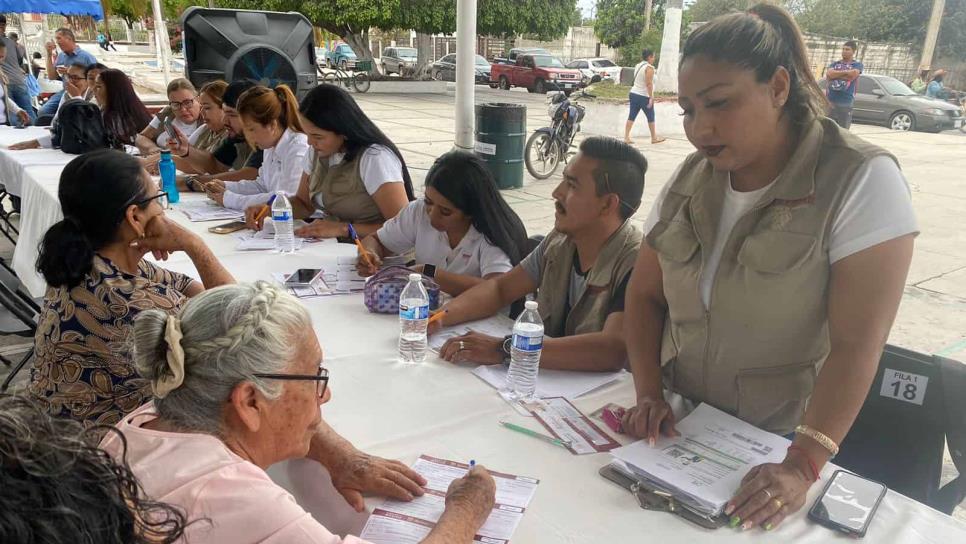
382,290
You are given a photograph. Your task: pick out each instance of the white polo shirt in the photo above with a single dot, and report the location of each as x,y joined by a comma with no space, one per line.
473,256
281,170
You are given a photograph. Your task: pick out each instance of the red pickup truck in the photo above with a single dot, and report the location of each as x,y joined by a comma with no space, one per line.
538,73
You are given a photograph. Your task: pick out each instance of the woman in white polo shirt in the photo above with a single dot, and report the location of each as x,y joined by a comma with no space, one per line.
462,230
271,122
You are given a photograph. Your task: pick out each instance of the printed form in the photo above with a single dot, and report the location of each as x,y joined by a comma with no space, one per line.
397,522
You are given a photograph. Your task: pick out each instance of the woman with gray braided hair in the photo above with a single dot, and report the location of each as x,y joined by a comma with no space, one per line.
238,381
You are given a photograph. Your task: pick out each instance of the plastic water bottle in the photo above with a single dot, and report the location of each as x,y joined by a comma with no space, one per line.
521,379
168,183
413,317
284,224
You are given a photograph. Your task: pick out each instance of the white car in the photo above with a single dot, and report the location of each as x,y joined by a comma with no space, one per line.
599,67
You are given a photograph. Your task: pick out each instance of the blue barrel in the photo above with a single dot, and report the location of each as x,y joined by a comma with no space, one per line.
501,134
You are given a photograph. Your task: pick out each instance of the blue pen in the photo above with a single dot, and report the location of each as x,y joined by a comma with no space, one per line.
352,232
472,463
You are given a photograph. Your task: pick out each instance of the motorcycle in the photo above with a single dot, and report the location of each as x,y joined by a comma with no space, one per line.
547,147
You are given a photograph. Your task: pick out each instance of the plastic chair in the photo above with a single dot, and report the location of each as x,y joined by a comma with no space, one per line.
915,405
24,310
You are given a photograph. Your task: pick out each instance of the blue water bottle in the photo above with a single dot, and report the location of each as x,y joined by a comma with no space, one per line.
168,183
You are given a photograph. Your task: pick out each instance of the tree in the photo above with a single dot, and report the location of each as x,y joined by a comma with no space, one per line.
131,11
705,10
620,22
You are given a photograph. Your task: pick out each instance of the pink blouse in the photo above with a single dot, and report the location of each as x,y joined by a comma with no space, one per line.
233,499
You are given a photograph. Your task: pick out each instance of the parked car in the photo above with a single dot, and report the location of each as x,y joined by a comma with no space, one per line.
398,60
511,57
596,69
342,56
884,100
538,73
320,55
445,69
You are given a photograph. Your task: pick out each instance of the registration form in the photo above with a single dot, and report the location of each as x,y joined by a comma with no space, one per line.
397,522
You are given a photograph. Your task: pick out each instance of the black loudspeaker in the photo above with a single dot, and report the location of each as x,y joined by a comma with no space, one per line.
264,46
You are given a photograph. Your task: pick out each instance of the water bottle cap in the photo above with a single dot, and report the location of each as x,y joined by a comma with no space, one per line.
415,277
530,305
165,152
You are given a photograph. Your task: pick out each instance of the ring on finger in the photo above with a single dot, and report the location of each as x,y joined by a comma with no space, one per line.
768,494
462,345
779,503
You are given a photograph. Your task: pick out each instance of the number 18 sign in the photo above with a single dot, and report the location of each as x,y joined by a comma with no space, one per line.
904,386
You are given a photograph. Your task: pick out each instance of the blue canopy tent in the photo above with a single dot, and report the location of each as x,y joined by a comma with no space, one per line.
62,7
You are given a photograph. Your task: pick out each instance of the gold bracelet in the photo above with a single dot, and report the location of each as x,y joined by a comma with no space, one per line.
817,436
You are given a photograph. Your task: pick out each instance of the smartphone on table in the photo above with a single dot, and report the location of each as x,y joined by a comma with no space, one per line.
304,277
227,228
847,503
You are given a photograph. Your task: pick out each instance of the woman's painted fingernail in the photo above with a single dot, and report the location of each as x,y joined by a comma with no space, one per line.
729,508
735,520
768,526
747,525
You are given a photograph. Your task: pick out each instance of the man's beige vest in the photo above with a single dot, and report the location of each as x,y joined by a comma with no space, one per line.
589,312
243,152
343,192
757,350
208,140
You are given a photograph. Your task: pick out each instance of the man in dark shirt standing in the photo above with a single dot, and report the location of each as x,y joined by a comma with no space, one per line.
843,78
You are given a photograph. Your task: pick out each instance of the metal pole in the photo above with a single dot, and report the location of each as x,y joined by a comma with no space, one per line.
465,72
161,40
932,34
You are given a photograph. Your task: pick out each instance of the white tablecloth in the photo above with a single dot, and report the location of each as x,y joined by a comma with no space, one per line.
13,163
401,411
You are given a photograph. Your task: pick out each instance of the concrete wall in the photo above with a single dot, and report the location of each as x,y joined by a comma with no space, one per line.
580,42
891,59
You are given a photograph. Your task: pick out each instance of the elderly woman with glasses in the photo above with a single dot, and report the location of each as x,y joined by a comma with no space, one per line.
238,383
182,112
98,282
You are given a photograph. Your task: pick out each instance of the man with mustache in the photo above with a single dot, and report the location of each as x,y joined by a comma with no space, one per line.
579,272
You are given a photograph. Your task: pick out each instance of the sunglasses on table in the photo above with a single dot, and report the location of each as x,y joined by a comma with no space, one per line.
321,379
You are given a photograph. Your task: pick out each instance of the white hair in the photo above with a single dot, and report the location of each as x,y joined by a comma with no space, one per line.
230,333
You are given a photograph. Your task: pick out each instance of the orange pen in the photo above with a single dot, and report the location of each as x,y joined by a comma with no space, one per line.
362,249
437,316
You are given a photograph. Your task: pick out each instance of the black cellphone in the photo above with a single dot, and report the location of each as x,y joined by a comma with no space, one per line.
303,276
847,503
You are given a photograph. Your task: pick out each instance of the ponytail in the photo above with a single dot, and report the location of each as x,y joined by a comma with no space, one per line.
95,191
264,105
763,39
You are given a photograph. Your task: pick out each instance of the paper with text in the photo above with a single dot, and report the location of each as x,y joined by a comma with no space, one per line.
207,211
397,522
566,422
568,384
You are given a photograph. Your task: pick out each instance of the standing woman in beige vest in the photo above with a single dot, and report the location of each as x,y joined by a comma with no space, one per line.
774,260
355,174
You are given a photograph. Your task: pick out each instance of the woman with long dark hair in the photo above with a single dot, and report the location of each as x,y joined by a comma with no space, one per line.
774,261
98,281
355,175
123,112
462,230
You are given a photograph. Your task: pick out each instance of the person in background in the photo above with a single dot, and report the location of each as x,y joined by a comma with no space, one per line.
843,80
462,230
105,42
355,175
57,63
271,123
183,112
10,113
21,51
125,116
233,160
76,88
579,272
98,281
224,412
212,133
919,84
60,488
774,260
642,97
12,69
935,88
36,63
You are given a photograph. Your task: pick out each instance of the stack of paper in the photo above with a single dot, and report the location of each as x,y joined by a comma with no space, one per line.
703,467
318,288
346,276
207,211
568,384
260,241
409,522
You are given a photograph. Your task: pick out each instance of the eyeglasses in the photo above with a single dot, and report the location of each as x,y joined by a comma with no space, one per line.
162,194
183,104
76,78
608,190
321,379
